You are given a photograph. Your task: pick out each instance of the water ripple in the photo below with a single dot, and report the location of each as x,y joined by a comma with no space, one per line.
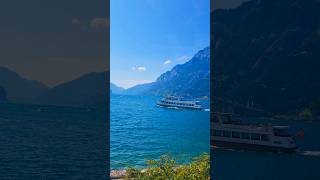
140,130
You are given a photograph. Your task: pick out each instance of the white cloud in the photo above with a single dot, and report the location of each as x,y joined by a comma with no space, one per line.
167,62
140,68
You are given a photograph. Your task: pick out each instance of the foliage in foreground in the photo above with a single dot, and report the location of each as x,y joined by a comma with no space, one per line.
166,168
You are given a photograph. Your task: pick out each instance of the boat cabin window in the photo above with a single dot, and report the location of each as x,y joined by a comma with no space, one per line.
255,136
235,134
245,135
226,133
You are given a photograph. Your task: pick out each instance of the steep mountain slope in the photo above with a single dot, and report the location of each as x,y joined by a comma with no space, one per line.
88,90
3,95
266,55
114,89
190,79
19,89
141,89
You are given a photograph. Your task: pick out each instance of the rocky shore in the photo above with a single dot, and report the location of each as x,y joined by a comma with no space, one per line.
117,174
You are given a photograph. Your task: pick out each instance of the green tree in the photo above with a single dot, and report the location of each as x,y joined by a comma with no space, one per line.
306,114
166,168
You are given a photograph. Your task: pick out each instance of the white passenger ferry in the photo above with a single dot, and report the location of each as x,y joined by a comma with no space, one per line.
233,134
179,102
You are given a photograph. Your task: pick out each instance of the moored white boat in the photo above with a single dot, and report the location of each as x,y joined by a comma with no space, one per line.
233,134
179,102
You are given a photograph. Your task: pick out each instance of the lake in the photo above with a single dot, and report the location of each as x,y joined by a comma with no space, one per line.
48,142
140,131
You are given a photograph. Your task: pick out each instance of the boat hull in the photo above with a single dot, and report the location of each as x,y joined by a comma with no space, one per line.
182,107
251,147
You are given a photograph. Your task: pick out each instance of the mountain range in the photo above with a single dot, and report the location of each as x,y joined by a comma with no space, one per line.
191,79
114,89
87,90
266,55
19,89
3,95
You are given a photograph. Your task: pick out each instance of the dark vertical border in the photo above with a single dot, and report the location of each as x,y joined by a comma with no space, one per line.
107,48
104,56
211,89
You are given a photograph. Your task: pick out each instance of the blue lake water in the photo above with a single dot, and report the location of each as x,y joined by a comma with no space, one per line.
47,142
140,130
244,165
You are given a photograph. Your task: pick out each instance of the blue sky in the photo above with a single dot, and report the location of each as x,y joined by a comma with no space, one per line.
149,37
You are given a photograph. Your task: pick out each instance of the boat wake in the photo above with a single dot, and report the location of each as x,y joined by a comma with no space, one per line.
310,153
173,108
169,107
206,110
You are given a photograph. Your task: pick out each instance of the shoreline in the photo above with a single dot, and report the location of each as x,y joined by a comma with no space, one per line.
118,174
